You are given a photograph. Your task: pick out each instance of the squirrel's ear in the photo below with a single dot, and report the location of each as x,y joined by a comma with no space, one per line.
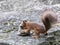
24,21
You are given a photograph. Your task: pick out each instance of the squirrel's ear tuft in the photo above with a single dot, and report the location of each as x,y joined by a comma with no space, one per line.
24,21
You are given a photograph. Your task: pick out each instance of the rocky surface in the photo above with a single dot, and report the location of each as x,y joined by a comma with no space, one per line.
12,12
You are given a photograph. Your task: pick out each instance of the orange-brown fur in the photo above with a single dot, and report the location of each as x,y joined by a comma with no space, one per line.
34,26
48,17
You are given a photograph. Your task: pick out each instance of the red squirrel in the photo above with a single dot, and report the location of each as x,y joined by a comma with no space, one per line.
48,17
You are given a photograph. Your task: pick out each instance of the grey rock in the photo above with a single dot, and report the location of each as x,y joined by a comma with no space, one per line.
13,12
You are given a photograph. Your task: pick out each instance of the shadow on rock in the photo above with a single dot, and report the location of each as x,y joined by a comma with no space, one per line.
4,43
